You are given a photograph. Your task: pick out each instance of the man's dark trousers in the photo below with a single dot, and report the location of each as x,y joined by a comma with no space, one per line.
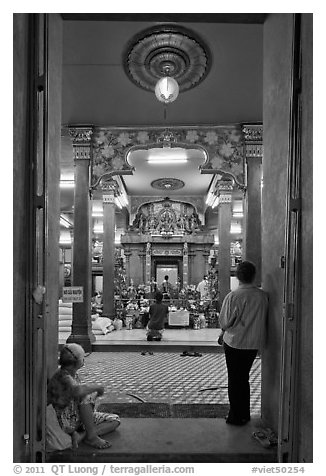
239,363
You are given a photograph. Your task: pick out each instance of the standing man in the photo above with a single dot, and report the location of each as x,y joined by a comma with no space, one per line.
243,320
203,289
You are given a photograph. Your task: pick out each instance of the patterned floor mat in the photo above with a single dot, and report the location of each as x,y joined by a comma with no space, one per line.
165,378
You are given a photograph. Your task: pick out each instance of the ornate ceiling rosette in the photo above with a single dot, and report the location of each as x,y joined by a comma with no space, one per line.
167,184
167,50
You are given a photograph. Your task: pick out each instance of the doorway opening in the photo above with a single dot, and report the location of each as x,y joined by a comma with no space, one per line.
167,266
170,270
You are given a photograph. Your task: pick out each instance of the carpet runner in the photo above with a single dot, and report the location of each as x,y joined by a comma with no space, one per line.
165,410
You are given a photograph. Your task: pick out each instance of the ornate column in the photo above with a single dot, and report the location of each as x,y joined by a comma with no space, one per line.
185,265
110,189
224,192
82,275
253,136
148,263
206,255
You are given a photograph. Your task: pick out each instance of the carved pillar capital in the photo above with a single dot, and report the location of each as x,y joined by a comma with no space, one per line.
110,188
253,138
82,142
252,133
224,192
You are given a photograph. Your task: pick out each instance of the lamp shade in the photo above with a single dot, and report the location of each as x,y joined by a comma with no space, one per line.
167,89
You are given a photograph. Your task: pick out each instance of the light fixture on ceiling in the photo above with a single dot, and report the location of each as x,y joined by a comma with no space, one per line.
118,202
235,227
64,221
98,228
216,201
173,53
65,238
237,209
67,183
167,160
167,89
171,156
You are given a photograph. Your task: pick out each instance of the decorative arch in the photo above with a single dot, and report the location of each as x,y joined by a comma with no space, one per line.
166,141
224,147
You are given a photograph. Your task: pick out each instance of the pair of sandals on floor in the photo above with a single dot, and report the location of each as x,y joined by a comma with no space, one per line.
186,353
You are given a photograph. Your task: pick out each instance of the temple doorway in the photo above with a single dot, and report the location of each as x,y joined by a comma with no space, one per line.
167,266
170,270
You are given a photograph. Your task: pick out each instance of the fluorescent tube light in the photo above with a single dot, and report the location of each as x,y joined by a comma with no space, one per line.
170,156
235,227
167,161
216,202
65,222
67,183
117,202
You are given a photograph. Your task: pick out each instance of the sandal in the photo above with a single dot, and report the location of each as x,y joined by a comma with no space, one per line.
262,438
272,436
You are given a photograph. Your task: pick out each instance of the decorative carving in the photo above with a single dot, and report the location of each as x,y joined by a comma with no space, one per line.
166,138
166,252
224,147
166,218
225,198
81,135
224,186
110,185
224,191
108,199
82,144
167,184
167,49
253,133
254,150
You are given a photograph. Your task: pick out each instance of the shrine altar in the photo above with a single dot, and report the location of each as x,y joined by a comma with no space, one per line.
179,318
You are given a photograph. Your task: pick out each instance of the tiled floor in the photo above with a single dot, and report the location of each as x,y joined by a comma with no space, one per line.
165,377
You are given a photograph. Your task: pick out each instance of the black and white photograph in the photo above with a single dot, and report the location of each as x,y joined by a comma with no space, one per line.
162,202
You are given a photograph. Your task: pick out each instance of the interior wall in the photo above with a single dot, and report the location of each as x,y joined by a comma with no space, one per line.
26,156
278,31
305,383
20,220
276,107
53,194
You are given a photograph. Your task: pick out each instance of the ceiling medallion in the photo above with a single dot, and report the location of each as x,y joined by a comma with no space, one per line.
168,184
167,48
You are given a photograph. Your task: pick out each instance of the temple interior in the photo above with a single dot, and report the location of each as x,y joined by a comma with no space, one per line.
155,152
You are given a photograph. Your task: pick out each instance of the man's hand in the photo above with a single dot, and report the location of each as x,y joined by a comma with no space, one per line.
220,338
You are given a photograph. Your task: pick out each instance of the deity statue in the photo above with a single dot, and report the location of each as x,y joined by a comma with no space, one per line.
193,222
151,222
132,290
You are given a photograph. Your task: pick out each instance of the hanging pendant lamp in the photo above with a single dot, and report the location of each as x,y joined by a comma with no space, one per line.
167,89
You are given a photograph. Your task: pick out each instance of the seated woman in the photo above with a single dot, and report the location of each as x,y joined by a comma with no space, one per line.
158,314
74,402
